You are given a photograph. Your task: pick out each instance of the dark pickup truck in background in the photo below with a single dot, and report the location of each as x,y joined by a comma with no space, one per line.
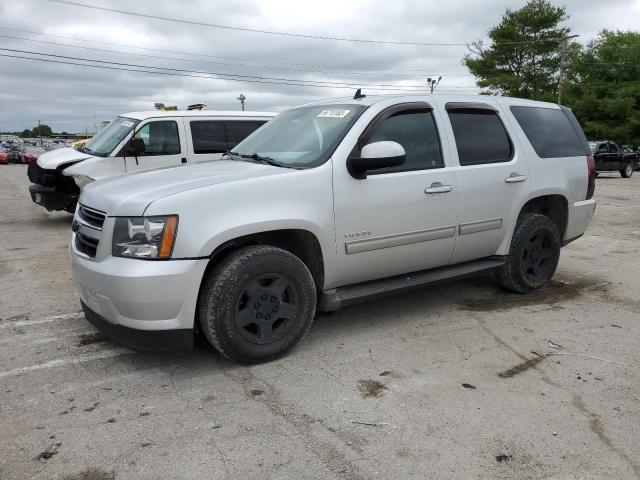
611,158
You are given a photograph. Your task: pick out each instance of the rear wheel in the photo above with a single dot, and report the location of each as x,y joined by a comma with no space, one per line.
257,303
533,256
627,171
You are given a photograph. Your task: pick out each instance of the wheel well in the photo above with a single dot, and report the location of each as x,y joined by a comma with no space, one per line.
553,206
302,243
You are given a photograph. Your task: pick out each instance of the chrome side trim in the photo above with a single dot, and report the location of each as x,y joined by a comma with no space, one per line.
481,226
398,239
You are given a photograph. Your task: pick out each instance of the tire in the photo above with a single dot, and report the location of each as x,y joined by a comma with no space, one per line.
533,256
627,171
257,304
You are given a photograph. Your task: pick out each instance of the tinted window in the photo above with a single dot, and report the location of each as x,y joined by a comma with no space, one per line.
208,136
160,138
239,130
480,137
416,132
550,132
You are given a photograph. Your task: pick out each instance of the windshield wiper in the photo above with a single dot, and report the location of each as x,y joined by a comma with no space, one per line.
258,158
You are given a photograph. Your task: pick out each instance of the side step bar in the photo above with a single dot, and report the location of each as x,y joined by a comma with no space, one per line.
339,297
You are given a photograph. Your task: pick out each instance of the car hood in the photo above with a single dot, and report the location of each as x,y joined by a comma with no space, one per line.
131,194
54,158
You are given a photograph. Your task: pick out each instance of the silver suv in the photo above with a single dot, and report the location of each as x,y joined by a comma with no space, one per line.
328,204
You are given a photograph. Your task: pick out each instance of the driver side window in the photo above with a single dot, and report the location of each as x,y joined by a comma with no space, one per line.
160,138
416,131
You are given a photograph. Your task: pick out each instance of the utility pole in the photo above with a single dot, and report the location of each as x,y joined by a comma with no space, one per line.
433,83
242,98
564,63
40,132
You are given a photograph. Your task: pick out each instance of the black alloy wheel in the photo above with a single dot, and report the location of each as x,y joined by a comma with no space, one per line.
267,308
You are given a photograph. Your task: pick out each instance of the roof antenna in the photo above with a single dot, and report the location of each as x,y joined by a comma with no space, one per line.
359,94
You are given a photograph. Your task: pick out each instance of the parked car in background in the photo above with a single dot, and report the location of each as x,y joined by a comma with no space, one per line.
329,204
611,158
4,158
138,141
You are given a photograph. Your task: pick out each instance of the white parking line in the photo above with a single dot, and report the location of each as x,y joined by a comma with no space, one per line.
24,323
60,362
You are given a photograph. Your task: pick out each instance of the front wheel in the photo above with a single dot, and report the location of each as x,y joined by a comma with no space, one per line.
627,171
257,303
533,256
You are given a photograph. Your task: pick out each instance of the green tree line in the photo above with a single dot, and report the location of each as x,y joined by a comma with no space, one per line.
532,54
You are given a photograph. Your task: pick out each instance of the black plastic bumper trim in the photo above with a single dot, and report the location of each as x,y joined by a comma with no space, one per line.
179,340
52,199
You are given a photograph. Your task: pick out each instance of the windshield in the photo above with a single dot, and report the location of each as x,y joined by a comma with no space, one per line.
302,137
110,136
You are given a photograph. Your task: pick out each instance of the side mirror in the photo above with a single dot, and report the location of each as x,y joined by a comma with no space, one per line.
135,147
375,156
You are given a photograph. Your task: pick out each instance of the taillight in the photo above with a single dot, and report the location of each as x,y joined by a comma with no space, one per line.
591,172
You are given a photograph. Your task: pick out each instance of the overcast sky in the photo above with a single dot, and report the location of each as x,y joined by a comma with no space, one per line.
69,97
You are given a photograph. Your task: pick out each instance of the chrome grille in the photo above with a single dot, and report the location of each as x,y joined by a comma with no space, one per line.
86,244
93,218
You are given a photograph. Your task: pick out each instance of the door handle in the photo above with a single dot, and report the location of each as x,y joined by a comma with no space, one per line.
437,187
183,159
515,178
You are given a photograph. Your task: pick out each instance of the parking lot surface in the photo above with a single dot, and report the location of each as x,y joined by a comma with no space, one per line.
457,381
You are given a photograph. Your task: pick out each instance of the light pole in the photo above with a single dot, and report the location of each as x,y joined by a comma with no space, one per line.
564,63
242,98
433,83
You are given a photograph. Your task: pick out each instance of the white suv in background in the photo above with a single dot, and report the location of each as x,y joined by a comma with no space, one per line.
328,204
138,141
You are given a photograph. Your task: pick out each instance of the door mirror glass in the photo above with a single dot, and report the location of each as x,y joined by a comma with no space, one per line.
136,147
375,156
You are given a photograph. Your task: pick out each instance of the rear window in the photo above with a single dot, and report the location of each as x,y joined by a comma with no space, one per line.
550,132
480,137
208,136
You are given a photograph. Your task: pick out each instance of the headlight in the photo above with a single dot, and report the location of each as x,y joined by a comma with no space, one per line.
144,237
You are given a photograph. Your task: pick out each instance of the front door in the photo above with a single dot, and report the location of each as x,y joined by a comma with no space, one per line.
401,219
164,145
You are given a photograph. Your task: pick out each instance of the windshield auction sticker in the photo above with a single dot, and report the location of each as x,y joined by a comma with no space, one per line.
333,113
127,123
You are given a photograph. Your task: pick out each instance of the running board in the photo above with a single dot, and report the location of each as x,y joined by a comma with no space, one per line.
339,297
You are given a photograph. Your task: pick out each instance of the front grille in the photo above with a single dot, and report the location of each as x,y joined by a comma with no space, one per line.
86,245
94,218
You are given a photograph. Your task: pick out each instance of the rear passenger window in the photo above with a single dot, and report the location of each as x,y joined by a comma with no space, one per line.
480,137
416,131
237,131
550,132
208,136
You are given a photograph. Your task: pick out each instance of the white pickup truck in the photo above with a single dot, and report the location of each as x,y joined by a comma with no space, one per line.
328,204
138,141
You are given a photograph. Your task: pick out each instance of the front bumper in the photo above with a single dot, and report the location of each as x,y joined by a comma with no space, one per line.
147,305
51,199
579,217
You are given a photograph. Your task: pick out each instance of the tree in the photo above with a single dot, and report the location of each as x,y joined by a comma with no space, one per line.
41,131
162,106
603,87
26,133
524,57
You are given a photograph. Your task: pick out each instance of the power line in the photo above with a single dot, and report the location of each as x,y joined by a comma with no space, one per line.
262,67
186,73
284,34
221,74
178,52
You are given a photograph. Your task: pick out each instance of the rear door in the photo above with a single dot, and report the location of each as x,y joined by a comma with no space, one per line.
164,142
492,178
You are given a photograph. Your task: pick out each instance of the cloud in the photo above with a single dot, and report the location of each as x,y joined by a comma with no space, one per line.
72,98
